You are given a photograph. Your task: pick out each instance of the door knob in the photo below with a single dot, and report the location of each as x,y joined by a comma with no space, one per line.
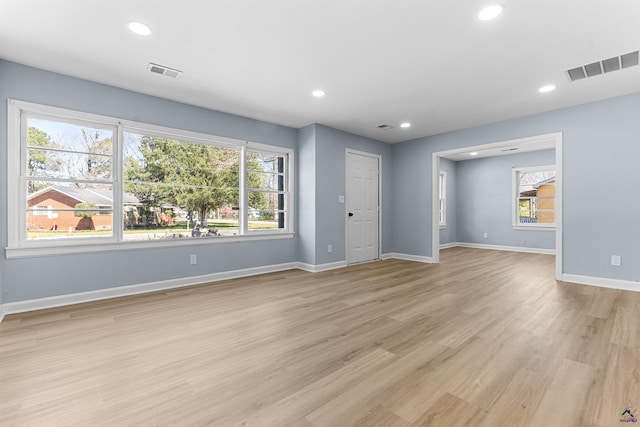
350,213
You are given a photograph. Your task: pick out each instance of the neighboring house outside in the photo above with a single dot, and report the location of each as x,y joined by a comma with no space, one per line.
540,201
52,208
546,201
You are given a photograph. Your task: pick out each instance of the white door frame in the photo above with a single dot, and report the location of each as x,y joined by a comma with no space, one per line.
346,187
435,171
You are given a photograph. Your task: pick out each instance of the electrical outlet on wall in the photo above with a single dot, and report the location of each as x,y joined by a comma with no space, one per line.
615,260
486,235
330,249
193,259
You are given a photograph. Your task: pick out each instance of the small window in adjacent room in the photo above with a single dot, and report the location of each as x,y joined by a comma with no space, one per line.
442,191
534,196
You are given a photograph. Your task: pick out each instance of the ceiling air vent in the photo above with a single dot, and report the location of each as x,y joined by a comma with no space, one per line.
604,66
165,71
385,127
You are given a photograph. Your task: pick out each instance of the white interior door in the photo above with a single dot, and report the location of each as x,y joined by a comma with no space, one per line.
363,207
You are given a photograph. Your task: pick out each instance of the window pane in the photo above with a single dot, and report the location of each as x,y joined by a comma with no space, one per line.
265,162
64,150
60,164
266,210
265,171
536,197
179,189
68,210
265,181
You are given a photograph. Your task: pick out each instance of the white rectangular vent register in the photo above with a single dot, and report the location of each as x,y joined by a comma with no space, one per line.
604,66
165,71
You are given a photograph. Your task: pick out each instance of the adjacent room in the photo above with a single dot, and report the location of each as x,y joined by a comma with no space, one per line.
336,213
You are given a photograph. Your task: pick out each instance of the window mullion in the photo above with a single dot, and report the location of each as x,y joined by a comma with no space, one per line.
118,185
243,220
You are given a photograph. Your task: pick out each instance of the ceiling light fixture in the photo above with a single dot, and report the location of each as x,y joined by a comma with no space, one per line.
547,88
405,125
490,12
139,28
473,153
319,93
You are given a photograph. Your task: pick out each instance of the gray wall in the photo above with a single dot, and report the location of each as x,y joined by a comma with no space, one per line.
329,161
601,153
484,201
320,179
31,278
449,234
600,157
306,191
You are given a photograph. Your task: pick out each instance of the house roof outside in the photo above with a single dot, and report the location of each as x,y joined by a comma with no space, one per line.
98,197
534,192
543,182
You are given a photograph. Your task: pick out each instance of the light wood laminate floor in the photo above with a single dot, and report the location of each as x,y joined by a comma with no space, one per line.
485,338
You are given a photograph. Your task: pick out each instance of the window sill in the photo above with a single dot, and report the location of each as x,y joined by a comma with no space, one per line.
51,250
535,227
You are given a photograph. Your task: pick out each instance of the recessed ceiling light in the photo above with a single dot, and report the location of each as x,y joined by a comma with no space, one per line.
319,93
139,28
547,88
405,125
490,12
473,153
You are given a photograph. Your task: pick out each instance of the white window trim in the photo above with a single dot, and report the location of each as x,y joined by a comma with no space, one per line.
21,248
515,196
442,176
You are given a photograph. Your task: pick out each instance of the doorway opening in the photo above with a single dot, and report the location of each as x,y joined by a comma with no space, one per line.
521,145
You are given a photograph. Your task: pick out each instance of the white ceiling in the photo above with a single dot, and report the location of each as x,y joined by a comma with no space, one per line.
430,62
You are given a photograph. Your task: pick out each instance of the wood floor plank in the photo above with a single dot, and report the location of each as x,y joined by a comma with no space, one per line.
519,400
354,403
305,400
604,302
451,411
483,338
626,328
621,385
556,409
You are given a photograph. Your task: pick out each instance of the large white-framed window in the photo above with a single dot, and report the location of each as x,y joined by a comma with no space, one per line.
442,197
534,192
108,183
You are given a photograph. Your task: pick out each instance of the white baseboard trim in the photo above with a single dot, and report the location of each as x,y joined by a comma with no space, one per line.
449,245
408,257
121,291
624,285
321,267
77,298
504,248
